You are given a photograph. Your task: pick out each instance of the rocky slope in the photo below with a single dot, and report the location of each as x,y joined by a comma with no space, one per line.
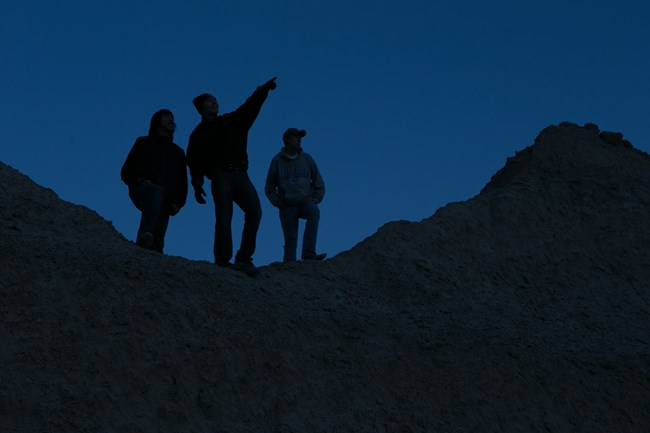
525,308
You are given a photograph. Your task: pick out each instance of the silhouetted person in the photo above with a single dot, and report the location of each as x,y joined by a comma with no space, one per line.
156,173
295,186
217,149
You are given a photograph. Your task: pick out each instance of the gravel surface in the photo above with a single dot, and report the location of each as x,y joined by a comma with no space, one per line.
522,309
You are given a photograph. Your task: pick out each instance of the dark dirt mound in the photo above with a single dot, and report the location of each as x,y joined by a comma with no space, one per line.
525,308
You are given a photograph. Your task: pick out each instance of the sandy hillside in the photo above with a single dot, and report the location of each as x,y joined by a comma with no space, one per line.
523,309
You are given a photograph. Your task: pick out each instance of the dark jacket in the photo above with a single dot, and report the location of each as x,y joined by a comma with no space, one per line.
223,142
162,162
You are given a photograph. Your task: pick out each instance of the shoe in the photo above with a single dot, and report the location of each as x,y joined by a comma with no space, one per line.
246,267
316,257
223,264
145,240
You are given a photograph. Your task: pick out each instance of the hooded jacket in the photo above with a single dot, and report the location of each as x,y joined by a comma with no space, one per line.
161,161
292,180
223,141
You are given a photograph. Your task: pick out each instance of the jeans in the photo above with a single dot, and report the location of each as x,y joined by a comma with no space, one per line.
150,199
228,187
289,216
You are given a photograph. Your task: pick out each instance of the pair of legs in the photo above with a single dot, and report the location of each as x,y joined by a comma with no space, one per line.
150,199
289,218
230,187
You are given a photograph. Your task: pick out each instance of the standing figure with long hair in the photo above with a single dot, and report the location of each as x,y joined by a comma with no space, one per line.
156,174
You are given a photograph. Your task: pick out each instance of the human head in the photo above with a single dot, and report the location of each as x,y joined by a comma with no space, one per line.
162,123
206,105
293,131
292,140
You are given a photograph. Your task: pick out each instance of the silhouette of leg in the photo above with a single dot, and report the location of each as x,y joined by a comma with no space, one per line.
149,199
289,222
160,230
222,195
248,201
310,212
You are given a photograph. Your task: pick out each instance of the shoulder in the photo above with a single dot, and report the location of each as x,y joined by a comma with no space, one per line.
197,130
141,142
179,150
203,128
228,118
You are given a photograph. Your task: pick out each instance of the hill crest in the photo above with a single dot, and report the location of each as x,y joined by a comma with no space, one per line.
522,308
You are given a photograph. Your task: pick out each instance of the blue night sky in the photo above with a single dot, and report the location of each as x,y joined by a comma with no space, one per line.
408,105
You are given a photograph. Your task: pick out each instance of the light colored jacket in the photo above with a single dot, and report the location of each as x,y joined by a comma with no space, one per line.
292,180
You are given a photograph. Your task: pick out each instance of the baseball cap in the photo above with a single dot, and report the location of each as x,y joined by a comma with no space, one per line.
293,131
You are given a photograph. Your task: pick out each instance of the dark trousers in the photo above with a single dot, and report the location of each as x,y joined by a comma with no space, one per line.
150,200
230,187
289,217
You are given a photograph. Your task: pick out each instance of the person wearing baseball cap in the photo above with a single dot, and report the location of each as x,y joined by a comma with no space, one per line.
217,150
295,186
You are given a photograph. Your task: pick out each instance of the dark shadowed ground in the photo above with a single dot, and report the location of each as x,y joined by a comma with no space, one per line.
523,309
